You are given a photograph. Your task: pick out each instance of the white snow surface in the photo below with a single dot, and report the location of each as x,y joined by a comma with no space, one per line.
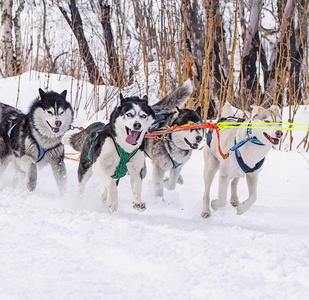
70,247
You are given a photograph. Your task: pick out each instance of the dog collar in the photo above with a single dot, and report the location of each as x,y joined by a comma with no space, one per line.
251,139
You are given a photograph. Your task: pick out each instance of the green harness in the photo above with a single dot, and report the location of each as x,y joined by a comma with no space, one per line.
121,169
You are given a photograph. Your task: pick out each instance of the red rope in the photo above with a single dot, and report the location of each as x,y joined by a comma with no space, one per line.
214,126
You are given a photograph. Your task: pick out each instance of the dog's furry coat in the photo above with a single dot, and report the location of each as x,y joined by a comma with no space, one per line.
104,148
35,138
251,153
171,153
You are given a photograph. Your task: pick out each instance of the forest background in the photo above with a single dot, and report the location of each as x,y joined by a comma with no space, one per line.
243,51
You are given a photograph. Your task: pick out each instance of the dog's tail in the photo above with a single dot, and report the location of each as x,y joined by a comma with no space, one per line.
76,140
177,98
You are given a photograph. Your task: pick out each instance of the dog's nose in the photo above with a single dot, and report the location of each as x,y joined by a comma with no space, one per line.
198,138
58,123
279,134
137,126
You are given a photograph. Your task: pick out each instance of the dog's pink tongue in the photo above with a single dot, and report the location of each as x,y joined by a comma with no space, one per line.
132,136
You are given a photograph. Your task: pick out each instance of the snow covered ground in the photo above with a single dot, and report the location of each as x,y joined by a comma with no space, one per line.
67,247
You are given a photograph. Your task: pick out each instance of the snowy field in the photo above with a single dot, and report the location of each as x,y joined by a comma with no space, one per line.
67,247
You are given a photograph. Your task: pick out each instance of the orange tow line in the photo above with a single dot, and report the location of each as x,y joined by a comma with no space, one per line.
156,134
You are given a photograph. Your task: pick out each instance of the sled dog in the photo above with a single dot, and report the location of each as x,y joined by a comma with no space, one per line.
247,149
110,150
34,139
172,152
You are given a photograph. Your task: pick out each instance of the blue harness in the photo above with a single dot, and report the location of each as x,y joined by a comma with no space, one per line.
239,159
174,162
42,150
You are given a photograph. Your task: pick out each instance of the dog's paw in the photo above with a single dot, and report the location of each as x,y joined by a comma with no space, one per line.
168,185
205,214
234,202
242,207
139,206
216,204
112,207
180,180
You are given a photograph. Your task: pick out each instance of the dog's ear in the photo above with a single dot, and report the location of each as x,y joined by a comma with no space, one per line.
178,109
199,111
42,93
275,109
145,98
256,109
64,93
121,98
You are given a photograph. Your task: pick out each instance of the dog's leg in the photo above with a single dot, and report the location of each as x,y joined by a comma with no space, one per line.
171,182
252,180
83,178
157,178
60,174
234,197
224,180
112,194
211,166
136,186
28,166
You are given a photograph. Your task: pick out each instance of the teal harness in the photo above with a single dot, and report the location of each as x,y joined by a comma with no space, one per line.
125,157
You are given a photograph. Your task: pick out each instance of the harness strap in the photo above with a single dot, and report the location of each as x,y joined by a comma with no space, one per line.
122,169
91,140
42,151
245,167
174,162
11,129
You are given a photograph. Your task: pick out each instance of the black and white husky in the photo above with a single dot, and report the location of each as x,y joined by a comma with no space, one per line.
172,152
111,150
34,139
248,148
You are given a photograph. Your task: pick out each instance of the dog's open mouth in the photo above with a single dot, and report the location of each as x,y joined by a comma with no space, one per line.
132,136
274,141
192,146
54,129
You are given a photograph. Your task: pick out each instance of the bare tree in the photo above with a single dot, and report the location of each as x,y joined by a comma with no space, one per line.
277,71
7,39
249,83
18,39
113,61
76,25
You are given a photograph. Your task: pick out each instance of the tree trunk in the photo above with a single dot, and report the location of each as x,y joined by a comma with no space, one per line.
249,77
50,65
18,42
77,27
277,70
113,60
6,38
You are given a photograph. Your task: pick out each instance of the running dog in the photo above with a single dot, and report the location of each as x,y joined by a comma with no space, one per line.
250,146
111,150
34,139
173,152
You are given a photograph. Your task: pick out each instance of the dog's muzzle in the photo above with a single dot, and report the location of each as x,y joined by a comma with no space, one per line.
274,141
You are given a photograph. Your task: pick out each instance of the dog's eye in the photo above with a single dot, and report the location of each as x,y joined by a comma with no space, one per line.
143,116
129,115
61,113
49,112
